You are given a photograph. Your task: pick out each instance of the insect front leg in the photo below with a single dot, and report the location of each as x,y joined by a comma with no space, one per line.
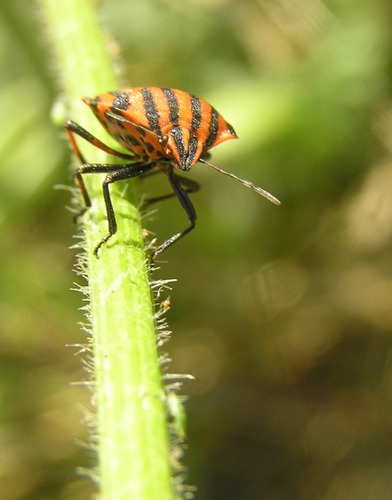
189,185
186,204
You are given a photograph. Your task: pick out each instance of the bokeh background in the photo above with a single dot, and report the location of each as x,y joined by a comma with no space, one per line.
283,314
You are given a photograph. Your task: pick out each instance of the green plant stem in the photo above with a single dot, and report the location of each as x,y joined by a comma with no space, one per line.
132,437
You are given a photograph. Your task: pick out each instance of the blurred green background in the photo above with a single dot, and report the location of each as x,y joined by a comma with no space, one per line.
283,314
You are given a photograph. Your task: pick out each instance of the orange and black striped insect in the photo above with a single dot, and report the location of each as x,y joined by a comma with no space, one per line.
161,127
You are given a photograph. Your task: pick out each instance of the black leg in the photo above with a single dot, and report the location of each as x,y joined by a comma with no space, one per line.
99,168
190,186
186,205
73,128
121,173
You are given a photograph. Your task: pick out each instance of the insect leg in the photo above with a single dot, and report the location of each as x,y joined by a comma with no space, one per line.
189,185
186,204
121,173
73,128
91,168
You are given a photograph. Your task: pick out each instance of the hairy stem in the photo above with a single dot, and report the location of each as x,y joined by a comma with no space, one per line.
132,437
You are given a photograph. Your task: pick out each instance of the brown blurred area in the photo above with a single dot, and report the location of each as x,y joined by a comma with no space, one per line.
283,314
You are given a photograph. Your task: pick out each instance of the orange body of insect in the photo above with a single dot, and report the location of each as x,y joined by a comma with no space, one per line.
160,127
158,123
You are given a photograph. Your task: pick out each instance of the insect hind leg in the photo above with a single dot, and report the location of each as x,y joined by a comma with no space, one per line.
73,128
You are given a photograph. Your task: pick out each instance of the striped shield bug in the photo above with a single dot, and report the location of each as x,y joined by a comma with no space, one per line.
162,128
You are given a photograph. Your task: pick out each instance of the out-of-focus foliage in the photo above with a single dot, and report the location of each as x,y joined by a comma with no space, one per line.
284,314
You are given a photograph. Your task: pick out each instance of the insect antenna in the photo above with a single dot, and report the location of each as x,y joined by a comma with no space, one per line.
245,182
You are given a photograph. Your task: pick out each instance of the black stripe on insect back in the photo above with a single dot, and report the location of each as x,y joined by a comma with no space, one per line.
172,102
121,101
179,142
196,112
231,130
213,129
151,111
192,147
